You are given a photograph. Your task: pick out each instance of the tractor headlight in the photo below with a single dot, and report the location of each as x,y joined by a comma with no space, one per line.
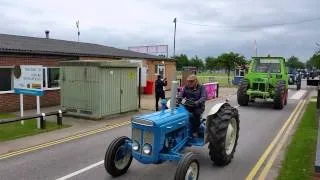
146,149
135,146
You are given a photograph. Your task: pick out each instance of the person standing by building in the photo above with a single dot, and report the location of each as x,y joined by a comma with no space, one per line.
159,90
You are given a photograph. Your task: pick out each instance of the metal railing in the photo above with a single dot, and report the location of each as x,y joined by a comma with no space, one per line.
42,117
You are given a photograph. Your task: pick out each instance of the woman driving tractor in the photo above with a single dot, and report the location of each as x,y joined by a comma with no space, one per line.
195,93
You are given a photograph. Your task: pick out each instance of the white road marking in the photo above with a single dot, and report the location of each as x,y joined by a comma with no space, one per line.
298,95
81,170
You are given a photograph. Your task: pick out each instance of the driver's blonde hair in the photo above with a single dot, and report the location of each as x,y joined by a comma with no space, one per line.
193,77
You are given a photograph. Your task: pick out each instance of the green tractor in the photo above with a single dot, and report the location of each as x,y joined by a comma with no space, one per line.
267,78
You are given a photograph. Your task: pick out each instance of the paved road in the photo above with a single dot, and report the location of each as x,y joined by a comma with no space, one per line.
259,125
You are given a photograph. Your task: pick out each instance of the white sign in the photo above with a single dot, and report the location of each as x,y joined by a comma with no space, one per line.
269,61
28,79
143,76
157,50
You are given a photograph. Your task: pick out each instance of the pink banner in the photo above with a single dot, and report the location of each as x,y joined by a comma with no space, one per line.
211,90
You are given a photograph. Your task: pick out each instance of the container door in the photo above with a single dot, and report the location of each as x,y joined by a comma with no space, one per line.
111,86
129,90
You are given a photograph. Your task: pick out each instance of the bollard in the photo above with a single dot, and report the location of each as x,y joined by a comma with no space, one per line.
42,121
217,90
59,118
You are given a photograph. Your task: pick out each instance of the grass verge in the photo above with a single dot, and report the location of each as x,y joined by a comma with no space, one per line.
15,130
300,155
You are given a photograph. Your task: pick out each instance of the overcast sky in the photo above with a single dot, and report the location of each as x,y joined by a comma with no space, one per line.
226,25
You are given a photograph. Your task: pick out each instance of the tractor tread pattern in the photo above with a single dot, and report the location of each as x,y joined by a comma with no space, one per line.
217,130
184,164
110,155
278,101
242,97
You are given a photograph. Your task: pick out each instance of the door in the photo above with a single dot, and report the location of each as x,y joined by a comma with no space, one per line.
111,87
160,69
128,90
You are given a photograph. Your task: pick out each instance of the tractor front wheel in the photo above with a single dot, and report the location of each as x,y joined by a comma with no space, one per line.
280,96
188,168
223,133
286,97
242,97
118,157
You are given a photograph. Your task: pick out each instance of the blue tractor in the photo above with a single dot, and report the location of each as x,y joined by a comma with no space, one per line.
163,136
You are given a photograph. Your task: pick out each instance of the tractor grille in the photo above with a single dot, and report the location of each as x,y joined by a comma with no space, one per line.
259,86
146,136
136,134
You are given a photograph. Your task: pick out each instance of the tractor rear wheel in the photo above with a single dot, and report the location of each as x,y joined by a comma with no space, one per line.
223,133
243,98
280,96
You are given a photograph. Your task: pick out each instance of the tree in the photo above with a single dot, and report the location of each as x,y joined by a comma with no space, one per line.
230,61
314,61
182,60
196,62
211,63
293,62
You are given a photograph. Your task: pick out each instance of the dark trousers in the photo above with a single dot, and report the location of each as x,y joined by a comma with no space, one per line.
158,96
196,118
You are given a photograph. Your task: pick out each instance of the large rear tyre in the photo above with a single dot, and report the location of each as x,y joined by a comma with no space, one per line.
223,133
242,97
188,168
118,157
280,96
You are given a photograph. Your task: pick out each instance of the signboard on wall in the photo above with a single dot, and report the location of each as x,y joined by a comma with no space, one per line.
157,50
143,77
28,79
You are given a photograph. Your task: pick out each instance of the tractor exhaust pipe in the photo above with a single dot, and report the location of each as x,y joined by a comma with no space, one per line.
173,100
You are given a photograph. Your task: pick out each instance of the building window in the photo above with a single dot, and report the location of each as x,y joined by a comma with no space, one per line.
6,79
51,77
160,70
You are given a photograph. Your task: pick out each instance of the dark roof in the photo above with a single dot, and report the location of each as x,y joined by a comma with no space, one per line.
33,45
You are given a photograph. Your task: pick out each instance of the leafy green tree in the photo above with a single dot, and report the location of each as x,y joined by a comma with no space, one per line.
230,61
196,62
314,61
293,62
181,60
212,63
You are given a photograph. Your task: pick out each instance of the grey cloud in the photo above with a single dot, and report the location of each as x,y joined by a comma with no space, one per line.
226,32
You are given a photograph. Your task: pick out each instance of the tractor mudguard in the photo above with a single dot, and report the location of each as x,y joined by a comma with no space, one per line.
215,108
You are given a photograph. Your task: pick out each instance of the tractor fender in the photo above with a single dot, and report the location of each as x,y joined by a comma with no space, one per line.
215,108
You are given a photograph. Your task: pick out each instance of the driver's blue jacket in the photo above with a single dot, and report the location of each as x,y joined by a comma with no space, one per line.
197,95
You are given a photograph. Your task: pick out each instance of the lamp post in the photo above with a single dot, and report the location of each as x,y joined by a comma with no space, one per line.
174,38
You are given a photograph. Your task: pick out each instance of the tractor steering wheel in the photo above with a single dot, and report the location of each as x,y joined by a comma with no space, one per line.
187,102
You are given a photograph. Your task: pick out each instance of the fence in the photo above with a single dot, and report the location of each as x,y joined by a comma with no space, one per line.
222,80
41,116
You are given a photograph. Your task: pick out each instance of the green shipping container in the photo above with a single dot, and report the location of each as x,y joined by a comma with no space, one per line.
96,89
